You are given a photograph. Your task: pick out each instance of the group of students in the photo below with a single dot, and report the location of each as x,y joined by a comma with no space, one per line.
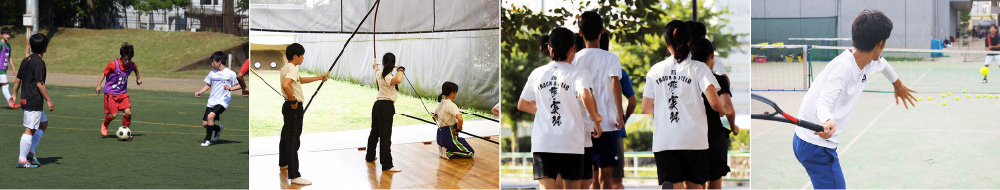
579,122
447,115
31,81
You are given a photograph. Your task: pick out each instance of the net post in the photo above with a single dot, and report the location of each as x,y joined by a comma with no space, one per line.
805,67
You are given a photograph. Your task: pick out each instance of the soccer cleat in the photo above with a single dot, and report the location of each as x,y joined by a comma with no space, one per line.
206,143
301,181
25,164
393,169
104,130
33,160
216,137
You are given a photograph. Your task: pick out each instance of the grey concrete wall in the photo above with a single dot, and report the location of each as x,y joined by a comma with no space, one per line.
913,21
793,8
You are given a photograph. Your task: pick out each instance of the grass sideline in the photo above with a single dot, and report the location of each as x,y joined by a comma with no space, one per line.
164,154
340,106
88,51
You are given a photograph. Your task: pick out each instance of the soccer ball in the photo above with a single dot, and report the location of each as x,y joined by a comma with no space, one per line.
124,133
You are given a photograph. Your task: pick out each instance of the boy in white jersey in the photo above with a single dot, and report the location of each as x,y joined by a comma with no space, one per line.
673,96
557,93
605,69
831,98
221,81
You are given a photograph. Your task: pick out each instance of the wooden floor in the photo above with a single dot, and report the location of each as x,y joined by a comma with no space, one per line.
421,165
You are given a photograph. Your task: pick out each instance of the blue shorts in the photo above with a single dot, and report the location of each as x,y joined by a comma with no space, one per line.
606,150
822,164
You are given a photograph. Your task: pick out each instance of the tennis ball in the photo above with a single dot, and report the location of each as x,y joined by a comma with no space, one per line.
949,93
963,91
966,96
928,98
942,103
942,95
919,99
985,71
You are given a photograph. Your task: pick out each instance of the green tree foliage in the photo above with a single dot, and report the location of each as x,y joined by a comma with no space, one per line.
11,11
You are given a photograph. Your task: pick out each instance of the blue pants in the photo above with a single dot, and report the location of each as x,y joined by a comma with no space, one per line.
456,146
822,164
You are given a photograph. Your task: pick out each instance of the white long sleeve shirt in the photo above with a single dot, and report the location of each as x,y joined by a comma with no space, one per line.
834,94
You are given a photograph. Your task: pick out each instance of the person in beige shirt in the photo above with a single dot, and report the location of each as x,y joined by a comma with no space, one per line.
292,112
383,110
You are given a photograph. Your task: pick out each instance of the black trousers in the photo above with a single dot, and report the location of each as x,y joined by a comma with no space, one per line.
288,146
381,133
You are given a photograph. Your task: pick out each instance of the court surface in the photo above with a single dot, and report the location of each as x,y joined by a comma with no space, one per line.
888,146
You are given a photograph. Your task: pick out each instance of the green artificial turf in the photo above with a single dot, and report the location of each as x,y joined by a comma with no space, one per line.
165,152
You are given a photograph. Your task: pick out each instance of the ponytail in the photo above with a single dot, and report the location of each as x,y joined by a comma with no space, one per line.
388,63
446,89
678,36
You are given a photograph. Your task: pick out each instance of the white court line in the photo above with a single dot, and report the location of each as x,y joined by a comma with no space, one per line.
755,135
938,131
841,154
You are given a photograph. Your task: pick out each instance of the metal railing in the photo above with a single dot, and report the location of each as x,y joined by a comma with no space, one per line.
638,165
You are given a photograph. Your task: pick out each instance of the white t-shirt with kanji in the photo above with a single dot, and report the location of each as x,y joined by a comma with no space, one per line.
679,121
559,124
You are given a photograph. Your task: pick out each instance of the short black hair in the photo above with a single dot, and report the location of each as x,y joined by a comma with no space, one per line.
294,49
126,50
39,43
5,30
701,49
561,40
591,25
870,28
605,42
698,29
220,57
580,45
677,35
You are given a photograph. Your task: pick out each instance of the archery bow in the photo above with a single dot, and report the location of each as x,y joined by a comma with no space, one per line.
341,54
463,132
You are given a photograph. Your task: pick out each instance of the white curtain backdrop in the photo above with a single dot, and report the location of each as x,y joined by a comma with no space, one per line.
436,40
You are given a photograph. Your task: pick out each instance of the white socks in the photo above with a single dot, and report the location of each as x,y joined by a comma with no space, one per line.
25,145
36,138
6,92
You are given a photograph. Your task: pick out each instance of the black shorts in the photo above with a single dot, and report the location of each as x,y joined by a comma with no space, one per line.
677,166
718,156
551,165
217,109
606,150
588,164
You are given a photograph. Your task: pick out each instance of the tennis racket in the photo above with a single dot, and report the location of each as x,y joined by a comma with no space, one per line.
765,109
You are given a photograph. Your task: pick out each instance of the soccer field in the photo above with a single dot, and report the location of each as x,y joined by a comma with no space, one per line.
165,152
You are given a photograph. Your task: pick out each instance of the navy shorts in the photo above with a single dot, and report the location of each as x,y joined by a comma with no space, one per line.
822,164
